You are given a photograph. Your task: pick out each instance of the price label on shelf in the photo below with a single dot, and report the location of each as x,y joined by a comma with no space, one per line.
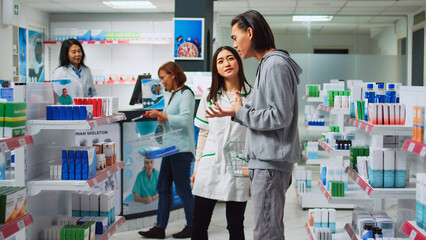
21,225
95,123
423,152
108,120
366,128
3,146
116,227
109,173
109,235
118,168
367,188
357,180
413,235
95,181
411,147
21,142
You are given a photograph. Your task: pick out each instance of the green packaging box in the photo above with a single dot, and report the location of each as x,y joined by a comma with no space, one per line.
15,119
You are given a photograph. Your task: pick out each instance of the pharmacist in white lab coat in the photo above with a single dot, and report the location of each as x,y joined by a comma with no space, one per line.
72,67
211,179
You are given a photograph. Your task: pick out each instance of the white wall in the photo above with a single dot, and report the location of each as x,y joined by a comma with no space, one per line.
28,18
384,41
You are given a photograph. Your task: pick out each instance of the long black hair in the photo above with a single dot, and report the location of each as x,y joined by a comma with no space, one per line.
218,82
64,60
263,39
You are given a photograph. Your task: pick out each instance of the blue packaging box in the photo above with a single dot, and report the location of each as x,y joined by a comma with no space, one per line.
97,35
55,112
62,113
64,165
49,112
88,163
83,35
71,164
78,168
76,112
69,115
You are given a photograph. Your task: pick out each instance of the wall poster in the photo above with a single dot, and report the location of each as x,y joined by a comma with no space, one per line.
188,38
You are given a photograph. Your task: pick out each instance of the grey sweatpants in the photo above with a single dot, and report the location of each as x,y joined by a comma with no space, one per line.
268,188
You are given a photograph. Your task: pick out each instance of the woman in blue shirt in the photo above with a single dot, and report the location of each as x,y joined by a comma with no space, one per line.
145,187
178,114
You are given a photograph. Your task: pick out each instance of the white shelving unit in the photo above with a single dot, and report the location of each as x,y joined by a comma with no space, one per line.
312,99
43,183
334,152
316,128
119,220
49,199
353,195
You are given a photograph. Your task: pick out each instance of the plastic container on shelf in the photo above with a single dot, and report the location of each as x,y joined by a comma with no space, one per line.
391,94
380,95
236,163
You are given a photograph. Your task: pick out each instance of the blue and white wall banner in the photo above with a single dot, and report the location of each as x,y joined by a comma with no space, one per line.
35,56
104,133
22,55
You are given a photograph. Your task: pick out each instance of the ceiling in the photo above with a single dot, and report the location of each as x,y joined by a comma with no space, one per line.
331,7
349,15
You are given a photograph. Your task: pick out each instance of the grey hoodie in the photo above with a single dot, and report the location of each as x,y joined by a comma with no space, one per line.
272,140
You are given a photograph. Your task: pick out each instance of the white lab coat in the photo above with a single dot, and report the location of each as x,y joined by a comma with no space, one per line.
213,180
79,87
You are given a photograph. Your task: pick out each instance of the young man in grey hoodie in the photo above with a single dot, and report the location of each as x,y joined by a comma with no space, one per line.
272,140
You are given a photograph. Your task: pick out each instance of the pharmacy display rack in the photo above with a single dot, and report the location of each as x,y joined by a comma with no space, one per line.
34,126
329,149
413,231
322,158
49,199
10,229
351,196
372,129
43,183
409,192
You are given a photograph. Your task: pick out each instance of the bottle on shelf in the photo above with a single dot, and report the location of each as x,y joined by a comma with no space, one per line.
391,94
380,95
370,97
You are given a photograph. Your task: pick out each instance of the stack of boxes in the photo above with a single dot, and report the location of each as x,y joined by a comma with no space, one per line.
313,90
384,168
12,203
94,205
313,116
303,179
355,152
322,218
78,163
108,149
102,106
342,98
69,112
332,175
13,119
386,114
311,149
360,218
70,228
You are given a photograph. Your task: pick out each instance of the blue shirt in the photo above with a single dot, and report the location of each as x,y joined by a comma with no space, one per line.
76,72
144,186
